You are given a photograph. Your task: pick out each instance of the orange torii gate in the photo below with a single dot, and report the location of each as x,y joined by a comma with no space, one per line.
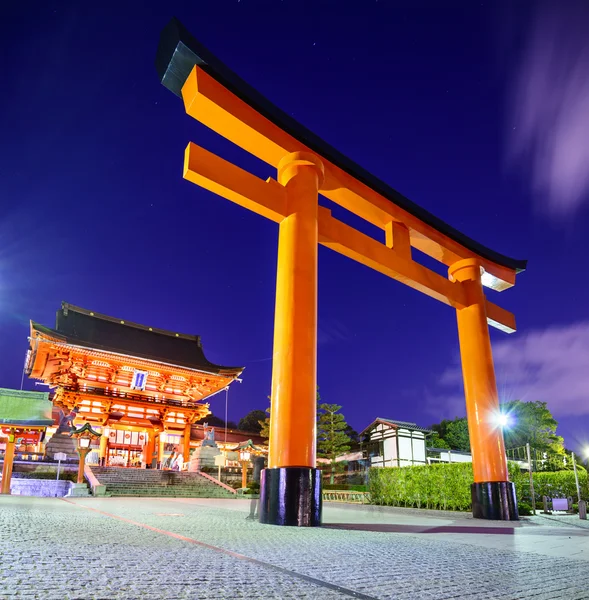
307,166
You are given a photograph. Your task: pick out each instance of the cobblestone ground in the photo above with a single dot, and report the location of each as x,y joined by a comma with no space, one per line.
123,548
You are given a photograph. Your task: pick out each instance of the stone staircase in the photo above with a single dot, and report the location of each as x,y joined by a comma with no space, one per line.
154,483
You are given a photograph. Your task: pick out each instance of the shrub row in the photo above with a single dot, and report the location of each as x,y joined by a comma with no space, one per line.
559,484
447,486
345,487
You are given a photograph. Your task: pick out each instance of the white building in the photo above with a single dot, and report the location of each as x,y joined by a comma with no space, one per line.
395,443
443,455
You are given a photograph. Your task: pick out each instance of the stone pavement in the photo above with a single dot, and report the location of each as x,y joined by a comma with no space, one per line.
130,548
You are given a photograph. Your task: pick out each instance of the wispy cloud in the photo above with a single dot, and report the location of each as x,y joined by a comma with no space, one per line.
548,123
550,365
330,331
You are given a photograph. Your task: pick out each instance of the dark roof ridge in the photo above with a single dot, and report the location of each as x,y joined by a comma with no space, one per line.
66,306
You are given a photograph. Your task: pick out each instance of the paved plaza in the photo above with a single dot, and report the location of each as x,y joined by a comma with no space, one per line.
127,548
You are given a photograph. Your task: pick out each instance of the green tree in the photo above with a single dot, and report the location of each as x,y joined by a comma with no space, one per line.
435,441
531,423
528,423
332,439
352,434
252,421
265,423
214,421
454,432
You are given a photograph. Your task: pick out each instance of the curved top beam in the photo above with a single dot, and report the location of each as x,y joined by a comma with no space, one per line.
178,53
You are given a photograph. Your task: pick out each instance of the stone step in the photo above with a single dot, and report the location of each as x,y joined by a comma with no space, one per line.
147,482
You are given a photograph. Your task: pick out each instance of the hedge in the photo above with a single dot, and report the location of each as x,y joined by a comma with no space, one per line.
559,484
447,486
344,487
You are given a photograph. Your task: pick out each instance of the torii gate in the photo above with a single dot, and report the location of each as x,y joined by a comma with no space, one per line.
307,166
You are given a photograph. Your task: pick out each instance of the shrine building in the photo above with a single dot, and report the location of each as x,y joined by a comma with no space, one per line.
142,388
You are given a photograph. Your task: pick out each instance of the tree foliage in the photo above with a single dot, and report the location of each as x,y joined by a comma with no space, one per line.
252,421
352,434
528,423
435,441
531,423
265,424
332,439
214,421
454,433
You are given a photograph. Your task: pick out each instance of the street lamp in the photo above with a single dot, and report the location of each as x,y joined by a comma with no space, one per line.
84,435
244,458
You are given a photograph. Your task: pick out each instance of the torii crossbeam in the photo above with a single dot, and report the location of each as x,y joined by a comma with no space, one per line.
306,167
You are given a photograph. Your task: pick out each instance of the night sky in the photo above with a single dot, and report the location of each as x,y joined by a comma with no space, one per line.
476,111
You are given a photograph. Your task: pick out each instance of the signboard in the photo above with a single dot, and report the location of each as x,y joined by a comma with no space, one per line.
139,380
59,456
220,460
560,504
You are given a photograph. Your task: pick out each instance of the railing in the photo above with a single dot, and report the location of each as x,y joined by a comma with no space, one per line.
110,393
98,488
346,496
217,482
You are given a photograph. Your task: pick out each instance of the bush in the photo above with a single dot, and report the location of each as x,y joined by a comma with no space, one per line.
558,484
440,486
524,509
447,486
345,487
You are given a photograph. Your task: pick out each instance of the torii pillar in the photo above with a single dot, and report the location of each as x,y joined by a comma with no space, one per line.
8,463
290,490
493,495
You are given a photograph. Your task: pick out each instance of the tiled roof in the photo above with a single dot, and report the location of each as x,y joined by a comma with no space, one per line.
397,425
85,328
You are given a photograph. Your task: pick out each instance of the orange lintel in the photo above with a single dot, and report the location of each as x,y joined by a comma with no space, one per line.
215,106
218,175
223,178
366,250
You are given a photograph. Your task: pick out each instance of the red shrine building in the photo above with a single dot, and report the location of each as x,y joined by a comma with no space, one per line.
142,388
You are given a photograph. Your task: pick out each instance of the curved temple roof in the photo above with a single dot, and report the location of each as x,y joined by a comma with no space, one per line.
81,327
179,52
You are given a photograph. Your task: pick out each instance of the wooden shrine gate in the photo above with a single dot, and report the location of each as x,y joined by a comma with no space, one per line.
307,166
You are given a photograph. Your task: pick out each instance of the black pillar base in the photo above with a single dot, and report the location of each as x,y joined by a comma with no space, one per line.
291,496
494,500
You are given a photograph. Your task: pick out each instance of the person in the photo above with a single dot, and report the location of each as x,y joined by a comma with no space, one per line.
179,463
170,460
256,475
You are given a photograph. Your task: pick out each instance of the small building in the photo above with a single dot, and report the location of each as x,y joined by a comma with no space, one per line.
24,417
392,443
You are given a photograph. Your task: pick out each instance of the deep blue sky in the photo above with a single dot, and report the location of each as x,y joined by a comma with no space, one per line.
94,210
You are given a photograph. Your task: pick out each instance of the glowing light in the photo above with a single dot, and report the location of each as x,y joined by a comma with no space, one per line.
504,420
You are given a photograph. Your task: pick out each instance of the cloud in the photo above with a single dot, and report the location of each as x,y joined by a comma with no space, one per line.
550,365
548,122
330,331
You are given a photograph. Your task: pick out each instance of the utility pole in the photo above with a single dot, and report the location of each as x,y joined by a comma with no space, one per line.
531,479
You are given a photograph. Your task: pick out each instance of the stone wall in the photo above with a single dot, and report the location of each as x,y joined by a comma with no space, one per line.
48,488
